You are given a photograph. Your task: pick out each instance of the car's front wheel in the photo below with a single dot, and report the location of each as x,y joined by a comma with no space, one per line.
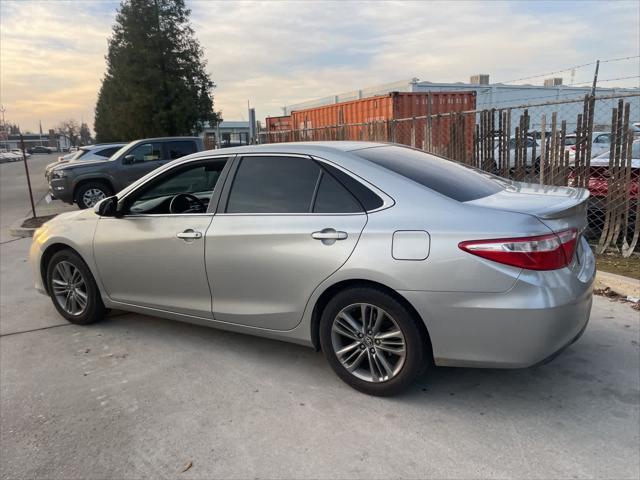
88,194
372,341
73,290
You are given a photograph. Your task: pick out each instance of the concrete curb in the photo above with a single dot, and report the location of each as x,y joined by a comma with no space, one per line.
624,286
17,230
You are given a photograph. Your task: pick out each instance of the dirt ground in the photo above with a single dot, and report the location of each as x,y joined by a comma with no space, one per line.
615,263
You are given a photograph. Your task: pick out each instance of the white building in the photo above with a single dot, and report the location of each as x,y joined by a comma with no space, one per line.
500,96
227,134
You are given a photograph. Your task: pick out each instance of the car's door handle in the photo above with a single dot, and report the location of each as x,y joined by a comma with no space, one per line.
329,234
189,234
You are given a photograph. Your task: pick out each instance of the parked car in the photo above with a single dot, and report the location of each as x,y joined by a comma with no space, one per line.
530,142
599,174
384,257
99,151
40,149
601,142
10,157
18,152
88,182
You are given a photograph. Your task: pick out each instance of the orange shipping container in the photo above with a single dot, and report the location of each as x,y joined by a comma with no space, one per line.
278,124
370,114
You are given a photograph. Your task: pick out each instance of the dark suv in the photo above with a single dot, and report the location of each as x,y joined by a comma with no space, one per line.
86,183
40,149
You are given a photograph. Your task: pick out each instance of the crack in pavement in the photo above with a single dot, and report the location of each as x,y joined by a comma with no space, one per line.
36,329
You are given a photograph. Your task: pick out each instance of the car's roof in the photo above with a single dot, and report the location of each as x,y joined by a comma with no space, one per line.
161,139
102,145
296,147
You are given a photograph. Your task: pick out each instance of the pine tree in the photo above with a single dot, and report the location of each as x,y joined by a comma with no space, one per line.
156,82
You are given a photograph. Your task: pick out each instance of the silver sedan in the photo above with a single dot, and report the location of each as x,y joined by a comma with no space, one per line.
386,258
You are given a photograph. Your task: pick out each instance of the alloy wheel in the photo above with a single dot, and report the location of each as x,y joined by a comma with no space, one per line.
368,342
69,288
93,196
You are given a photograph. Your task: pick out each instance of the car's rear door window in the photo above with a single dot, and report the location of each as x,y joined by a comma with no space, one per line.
180,148
332,197
446,177
273,184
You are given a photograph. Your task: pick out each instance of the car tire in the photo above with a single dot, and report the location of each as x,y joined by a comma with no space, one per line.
378,371
73,289
90,193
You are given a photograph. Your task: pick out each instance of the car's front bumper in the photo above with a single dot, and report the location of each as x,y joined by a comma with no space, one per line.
35,259
540,315
60,188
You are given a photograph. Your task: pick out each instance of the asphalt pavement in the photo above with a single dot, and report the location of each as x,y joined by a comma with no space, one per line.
141,397
14,192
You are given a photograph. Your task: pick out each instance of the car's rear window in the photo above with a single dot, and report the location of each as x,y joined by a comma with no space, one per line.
448,178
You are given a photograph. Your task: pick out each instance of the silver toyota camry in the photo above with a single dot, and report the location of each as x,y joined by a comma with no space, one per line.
386,258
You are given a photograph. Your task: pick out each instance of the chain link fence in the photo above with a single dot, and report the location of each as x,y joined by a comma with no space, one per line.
590,142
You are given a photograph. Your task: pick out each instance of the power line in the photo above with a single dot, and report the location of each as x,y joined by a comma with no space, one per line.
548,73
609,60
619,59
606,80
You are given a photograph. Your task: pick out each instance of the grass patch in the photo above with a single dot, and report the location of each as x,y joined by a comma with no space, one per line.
615,263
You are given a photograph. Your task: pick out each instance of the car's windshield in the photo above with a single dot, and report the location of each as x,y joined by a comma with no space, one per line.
120,151
635,152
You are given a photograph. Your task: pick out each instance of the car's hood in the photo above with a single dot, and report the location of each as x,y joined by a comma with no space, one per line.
67,165
72,216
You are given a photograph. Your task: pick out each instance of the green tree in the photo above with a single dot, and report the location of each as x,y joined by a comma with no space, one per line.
85,134
156,83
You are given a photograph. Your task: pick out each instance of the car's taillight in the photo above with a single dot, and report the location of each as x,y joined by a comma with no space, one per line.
572,148
544,252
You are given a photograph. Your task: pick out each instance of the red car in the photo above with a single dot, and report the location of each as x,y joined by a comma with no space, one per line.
599,174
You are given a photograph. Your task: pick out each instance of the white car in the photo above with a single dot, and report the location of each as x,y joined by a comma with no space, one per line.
600,144
512,151
10,157
101,151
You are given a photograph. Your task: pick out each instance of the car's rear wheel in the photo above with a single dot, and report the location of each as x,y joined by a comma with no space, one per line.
90,193
73,290
372,341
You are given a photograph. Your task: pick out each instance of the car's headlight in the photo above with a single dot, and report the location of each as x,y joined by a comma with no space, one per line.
58,174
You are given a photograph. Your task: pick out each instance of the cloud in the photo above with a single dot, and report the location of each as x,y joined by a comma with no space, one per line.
278,53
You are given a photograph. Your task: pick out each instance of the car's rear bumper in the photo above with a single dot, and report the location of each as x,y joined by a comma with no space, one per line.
539,316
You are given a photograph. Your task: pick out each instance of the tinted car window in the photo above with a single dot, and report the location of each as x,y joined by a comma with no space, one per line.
179,149
332,197
147,152
107,152
273,185
448,178
198,180
368,199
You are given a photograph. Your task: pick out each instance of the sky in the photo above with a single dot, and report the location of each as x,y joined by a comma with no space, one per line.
278,53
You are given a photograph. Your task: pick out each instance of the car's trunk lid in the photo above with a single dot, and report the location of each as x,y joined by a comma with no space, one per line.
559,208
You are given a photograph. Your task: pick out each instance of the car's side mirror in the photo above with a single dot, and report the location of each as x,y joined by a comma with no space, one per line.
128,160
107,207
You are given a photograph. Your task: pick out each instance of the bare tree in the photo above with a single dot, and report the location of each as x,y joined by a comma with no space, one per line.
71,129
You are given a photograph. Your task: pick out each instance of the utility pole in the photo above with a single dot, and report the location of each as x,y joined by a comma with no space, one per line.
595,78
26,169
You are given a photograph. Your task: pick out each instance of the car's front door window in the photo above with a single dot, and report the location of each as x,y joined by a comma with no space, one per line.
194,184
147,152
